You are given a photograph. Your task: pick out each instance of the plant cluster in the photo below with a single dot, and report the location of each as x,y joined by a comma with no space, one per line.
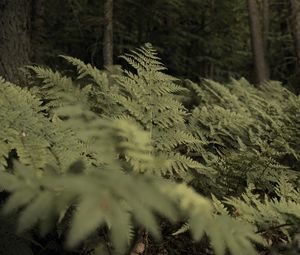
106,152
251,135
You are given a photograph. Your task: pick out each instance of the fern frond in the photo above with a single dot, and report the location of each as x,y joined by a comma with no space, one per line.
57,89
224,232
268,212
149,96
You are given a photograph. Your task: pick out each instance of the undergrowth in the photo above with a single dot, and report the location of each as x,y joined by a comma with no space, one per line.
96,158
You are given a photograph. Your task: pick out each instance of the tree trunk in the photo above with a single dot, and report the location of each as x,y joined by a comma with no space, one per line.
257,40
14,39
295,11
266,23
108,33
38,28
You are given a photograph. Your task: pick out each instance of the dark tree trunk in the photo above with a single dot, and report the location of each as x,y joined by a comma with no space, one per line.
108,33
295,11
14,39
257,39
266,23
38,29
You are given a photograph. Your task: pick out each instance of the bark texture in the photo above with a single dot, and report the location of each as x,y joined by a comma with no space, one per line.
257,40
38,31
108,33
14,39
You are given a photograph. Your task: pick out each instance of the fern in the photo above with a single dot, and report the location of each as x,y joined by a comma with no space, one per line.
100,86
45,197
95,189
279,213
89,153
247,133
270,215
36,140
57,90
148,96
15,127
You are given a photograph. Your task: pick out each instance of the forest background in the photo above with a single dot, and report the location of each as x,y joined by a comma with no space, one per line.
214,39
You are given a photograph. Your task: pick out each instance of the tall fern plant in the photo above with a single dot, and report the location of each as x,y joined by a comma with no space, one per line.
148,96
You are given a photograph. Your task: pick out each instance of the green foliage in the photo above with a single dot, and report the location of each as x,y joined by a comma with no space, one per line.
99,152
105,194
250,134
56,89
96,185
25,130
148,97
272,215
